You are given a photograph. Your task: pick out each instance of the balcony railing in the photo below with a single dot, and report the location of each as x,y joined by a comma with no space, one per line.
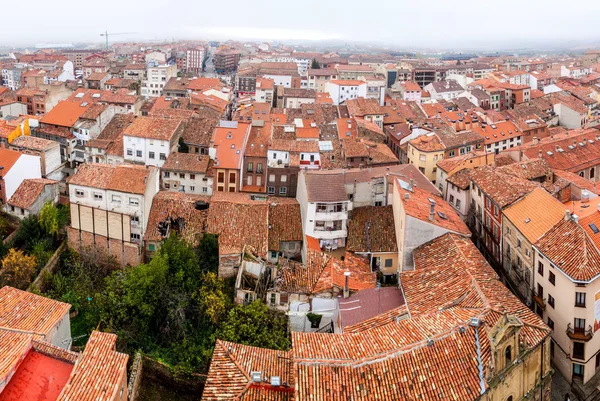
580,334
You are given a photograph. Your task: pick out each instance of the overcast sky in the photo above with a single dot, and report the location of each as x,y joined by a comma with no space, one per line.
415,23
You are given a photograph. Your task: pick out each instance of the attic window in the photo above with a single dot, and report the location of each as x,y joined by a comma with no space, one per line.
232,146
594,228
442,216
229,136
84,104
527,220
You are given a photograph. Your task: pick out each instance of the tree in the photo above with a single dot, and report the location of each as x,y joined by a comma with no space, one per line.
30,233
17,269
208,252
257,325
49,218
315,64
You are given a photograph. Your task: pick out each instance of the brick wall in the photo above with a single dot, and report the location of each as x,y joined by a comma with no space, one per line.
124,253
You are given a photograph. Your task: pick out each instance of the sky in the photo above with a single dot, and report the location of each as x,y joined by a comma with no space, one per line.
413,24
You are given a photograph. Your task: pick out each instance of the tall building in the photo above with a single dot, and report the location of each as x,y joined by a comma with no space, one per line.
226,60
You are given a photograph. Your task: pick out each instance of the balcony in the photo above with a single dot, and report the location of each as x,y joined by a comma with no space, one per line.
579,334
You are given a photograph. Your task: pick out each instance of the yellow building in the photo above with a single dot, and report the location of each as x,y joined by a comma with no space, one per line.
424,152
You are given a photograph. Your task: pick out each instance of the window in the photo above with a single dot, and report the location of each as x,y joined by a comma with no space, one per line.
578,350
167,174
79,193
388,263
578,370
97,196
551,300
129,152
151,247
258,180
271,190
271,177
135,219
283,178
192,188
540,291
580,299
250,167
204,189
541,269
551,323
508,355
259,168
192,176
552,278
451,199
221,177
579,324
162,156
458,203
116,198
182,175
167,186
422,158
138,153
249,180
282,191
232,178
135,237
134,201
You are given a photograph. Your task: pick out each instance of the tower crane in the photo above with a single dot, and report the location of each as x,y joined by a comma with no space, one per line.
105,34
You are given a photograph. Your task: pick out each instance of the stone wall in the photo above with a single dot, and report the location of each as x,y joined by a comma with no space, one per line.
160,372
135,378
40,283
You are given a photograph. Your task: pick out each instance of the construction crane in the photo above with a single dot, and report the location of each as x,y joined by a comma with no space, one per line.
113,34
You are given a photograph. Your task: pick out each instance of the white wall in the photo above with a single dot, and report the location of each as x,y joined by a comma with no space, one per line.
145,146
26,166
61,334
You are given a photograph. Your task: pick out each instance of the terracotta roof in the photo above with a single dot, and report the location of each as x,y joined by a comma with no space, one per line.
570,249
13,348
503,189
198,131
285,222
418,206
325,187
28,192
428,143
203,84
322,273
65,113
460,178
126,178
176,211
239,221
22,310
8,158
229,375
154,128
97,76
31,142
363,107
111,136
372,229
535,214
98,373
188,162
229,144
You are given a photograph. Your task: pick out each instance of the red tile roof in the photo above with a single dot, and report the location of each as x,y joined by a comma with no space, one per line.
65,113
416,203
21,310
8,158
153,128
372,229
229,143
28,192
122,178
99,372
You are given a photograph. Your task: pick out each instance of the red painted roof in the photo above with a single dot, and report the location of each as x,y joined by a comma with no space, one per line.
38,378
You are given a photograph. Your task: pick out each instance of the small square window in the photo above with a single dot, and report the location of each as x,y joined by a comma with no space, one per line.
138,153
150,155
97,196
129,152
271,190
134,201
282,191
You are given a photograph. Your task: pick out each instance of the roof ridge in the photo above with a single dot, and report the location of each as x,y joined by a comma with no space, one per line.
232,358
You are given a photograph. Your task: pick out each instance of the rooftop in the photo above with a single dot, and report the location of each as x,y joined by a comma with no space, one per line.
229,143
372,229
65,113
28,192
417,202
325,187
188,162
122,178
153,128
22,310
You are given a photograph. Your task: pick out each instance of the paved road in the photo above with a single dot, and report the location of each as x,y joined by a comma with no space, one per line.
560,387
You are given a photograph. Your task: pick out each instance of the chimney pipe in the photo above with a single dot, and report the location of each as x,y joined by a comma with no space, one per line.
567,215
535,140
575,218
346,286
431,210
540,154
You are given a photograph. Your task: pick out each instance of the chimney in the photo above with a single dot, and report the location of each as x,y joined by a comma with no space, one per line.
568,214
535,140
407,197
412,182
575,218
346,287
431,209
539,154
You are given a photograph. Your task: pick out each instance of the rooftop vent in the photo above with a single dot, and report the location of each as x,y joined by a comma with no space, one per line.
84,104
275,381
594,228
475,322
256,377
